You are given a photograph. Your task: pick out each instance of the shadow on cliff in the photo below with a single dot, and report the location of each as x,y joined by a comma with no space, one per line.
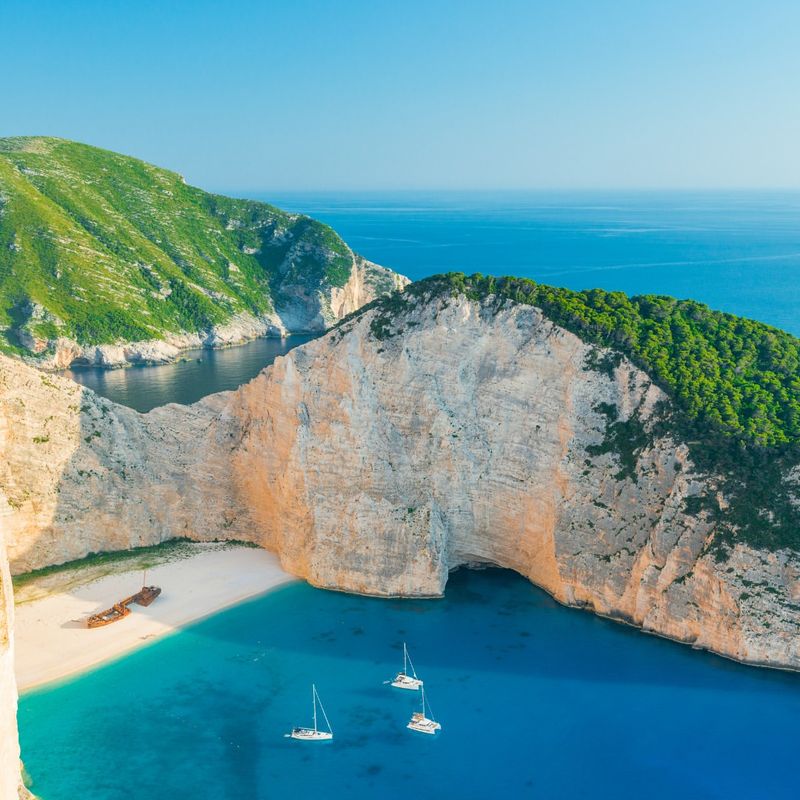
57,506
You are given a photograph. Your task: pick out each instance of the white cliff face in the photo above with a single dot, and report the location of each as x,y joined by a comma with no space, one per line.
80,474
472,436
379,465
10,780
367,281
312,311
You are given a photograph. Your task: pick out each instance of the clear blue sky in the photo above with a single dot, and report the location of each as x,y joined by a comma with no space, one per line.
385,95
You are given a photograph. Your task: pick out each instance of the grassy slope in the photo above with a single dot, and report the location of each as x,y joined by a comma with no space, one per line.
734,385
112,247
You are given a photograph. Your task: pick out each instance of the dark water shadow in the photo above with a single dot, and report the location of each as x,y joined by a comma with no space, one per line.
196,374
552,641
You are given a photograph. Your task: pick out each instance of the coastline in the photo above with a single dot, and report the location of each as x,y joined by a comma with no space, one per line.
53,643
64,353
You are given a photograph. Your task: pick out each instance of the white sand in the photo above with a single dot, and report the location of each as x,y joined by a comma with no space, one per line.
52,640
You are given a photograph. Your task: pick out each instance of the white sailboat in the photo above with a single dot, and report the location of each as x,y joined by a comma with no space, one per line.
419,722
403,680
314,734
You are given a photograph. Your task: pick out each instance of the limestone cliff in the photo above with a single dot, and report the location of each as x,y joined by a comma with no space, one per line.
378,464
10,780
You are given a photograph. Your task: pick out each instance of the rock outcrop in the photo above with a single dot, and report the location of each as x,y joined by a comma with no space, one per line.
378,464
305,311
10,778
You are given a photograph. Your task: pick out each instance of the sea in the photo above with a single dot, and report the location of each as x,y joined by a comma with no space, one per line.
535,700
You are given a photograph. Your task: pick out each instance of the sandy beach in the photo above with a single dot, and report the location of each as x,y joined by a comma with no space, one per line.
53,642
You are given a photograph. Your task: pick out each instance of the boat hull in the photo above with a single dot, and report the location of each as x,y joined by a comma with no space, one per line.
113,614
407,682
146,595
120,610
310,735
424,726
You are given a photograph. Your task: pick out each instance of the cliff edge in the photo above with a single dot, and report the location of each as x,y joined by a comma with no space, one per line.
389,452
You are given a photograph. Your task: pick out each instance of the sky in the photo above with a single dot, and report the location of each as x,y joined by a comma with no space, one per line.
377,95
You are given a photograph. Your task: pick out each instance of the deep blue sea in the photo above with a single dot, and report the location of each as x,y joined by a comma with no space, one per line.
535,701
737,252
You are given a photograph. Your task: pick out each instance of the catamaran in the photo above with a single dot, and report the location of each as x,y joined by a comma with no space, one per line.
313,734
419,722
403,680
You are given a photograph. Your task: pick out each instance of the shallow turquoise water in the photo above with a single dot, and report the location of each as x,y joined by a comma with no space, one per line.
535,701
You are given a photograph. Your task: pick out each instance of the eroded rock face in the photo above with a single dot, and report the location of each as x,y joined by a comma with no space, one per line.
79,474
305,310
378,465
10,780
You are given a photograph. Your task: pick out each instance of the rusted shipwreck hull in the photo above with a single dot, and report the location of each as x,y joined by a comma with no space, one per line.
145,596
119,610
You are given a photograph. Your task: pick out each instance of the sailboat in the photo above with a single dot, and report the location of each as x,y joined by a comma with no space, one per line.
419,722
313,734
403,680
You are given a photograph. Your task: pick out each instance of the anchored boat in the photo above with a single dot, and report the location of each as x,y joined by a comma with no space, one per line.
313,734
419,722
403,680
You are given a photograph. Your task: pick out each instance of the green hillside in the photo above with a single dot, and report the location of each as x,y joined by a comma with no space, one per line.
734,385
101,247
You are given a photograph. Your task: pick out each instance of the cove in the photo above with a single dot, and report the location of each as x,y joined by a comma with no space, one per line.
535,700
197,374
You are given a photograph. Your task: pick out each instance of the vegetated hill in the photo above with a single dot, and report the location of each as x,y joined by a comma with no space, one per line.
99,247
734,385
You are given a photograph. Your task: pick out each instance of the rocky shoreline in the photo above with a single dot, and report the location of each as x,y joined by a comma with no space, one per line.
379,457
299,314
64,353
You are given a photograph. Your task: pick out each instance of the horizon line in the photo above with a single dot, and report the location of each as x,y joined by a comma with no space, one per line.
514,190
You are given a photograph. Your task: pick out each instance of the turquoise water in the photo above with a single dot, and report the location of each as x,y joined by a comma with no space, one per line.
535,701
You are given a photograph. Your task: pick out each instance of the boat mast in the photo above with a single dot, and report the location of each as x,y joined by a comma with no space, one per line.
406,656
314,702
322,709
